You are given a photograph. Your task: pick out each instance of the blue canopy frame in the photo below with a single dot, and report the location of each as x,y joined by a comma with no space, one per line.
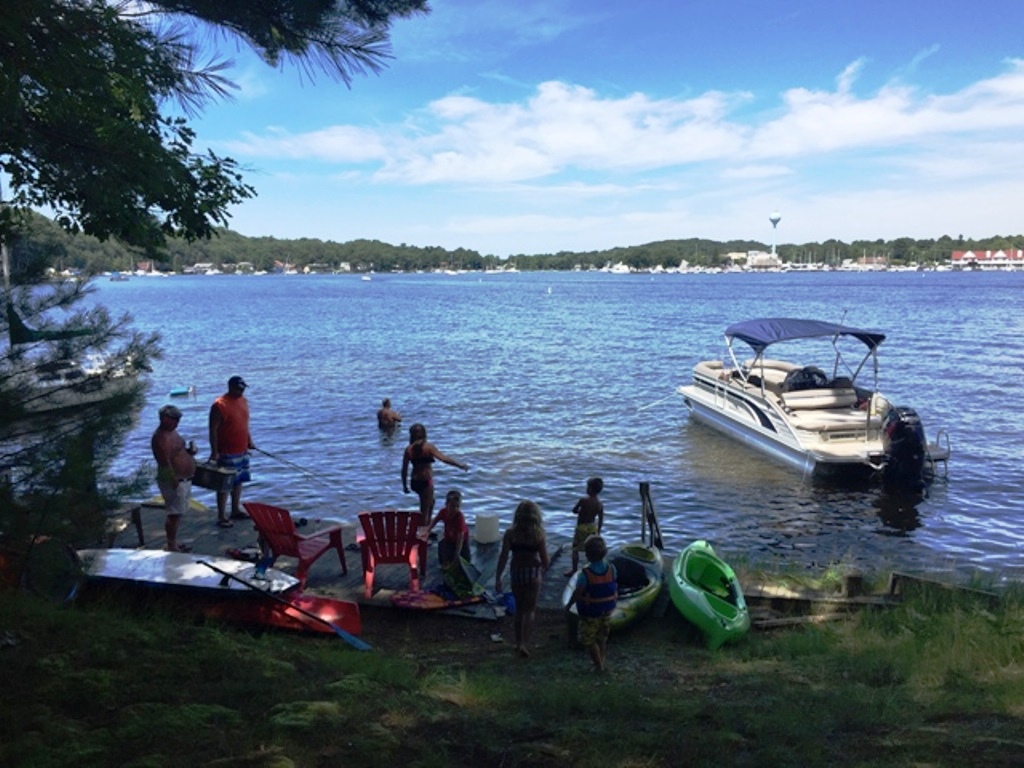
761,333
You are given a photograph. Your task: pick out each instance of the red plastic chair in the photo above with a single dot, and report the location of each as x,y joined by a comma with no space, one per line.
277,530
390,536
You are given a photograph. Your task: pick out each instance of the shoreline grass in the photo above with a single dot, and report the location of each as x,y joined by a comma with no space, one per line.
937,680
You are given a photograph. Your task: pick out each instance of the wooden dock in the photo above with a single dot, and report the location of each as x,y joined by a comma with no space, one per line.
143,526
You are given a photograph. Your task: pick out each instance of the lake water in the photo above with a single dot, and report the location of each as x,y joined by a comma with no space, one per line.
538,381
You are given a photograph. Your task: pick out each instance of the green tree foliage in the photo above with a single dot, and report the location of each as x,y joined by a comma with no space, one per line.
338,38
70,388
231,251
81,127
92,98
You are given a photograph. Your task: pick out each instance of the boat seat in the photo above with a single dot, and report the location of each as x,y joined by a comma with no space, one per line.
834,421
770,364
696,567
631,576
813,399
705,573
773,379
711,368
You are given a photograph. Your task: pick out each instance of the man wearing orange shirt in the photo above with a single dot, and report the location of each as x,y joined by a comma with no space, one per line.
230,443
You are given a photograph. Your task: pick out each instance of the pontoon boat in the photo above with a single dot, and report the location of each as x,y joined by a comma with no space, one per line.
825,424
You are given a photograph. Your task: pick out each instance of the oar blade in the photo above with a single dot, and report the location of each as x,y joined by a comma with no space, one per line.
348,637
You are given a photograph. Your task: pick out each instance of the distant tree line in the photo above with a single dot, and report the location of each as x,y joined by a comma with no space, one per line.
227,250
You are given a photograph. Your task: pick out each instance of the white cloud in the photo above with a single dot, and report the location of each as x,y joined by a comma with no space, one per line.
570,128
756,172
566,168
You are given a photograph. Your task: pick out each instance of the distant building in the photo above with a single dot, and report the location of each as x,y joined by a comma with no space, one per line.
763,260
1011,259
873,262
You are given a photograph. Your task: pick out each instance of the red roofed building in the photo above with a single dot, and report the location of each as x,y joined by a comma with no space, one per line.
1008,259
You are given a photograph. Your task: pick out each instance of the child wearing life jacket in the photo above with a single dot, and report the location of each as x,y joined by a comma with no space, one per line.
596,592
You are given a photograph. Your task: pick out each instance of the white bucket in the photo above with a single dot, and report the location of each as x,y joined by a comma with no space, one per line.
486,529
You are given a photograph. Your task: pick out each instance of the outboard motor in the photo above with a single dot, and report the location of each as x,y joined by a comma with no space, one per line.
905,450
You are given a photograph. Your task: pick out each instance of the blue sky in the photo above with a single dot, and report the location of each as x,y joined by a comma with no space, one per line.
534,126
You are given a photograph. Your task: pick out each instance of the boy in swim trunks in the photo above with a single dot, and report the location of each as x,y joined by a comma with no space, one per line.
597,589
589,513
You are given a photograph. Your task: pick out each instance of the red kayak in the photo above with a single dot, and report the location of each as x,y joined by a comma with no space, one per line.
223,589
294,616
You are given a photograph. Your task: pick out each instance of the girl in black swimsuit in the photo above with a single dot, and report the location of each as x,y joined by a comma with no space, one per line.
421,454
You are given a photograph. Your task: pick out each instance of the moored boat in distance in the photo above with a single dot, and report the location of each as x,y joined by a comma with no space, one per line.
830,425
706,591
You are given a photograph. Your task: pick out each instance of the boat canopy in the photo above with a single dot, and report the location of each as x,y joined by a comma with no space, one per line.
764,331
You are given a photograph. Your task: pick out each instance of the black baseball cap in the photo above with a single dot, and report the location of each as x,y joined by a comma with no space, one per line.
237,382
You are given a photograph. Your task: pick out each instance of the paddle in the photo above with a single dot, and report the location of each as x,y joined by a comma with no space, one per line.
348,637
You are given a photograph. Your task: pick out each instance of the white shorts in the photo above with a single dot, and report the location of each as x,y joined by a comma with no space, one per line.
175,497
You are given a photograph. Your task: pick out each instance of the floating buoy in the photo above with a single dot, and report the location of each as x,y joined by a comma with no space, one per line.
183,392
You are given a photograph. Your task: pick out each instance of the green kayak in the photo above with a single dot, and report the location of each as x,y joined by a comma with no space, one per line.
639,577
705,590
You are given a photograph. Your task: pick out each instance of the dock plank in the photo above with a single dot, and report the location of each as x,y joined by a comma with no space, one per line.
198,530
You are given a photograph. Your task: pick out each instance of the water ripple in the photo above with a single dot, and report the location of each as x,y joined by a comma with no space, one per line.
539,381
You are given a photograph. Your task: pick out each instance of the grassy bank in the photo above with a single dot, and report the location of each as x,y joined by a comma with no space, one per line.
936,681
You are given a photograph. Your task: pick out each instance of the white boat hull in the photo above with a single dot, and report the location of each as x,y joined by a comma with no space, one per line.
180,570
851,443
821,424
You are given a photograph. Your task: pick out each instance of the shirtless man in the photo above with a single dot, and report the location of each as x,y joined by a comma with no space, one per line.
387,417
175,464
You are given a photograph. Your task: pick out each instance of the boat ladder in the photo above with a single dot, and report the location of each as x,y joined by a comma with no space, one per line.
939,451
649,518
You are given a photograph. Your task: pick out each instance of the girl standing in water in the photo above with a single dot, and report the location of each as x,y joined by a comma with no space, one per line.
420,455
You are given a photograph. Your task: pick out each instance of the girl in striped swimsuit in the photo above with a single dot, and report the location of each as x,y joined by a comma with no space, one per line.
526,541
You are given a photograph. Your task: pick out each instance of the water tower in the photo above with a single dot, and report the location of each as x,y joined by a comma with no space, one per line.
774,218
